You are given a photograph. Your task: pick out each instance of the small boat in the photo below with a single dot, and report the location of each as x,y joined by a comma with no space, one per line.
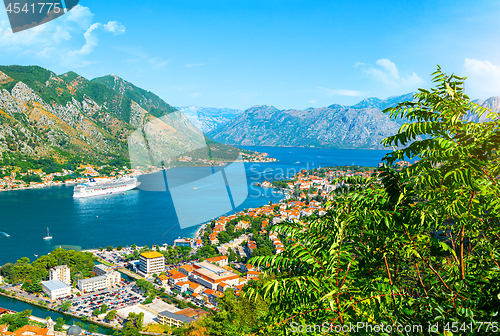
48,237
5,234
194,188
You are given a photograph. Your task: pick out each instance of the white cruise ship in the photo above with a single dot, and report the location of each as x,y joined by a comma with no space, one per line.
93,188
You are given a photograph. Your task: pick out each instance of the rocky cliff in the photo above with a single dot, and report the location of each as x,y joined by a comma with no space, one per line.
44,115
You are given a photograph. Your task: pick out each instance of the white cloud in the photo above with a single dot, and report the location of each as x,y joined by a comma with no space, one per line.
157,62
50,40
142,58
312,101
387,73
483,78
80,15
195,95
194,65
341,92
90,41
114,27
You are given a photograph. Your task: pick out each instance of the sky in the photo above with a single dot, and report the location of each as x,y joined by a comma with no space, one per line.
289,54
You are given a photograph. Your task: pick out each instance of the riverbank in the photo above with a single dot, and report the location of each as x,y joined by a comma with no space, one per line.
40,314
107,329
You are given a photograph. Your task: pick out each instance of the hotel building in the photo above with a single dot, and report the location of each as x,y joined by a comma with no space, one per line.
151,263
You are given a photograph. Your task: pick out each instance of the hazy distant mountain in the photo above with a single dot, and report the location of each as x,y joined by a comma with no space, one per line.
362,125
208,118
492,103
380,104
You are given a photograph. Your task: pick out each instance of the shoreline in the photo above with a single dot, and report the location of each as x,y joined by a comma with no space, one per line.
33,303
134,174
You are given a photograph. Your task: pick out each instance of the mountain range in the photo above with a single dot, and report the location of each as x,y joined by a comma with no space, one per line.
70,118
208,118
360,126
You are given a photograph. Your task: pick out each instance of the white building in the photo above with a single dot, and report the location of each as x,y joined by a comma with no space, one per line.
151,263
56,289
113,277
92,284
62,273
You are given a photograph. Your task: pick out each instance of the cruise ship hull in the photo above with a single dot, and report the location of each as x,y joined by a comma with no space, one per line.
98,190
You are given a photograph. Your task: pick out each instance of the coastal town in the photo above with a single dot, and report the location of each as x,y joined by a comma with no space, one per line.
169,285
14,178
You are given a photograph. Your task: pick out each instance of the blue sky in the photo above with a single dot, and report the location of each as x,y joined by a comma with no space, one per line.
289,54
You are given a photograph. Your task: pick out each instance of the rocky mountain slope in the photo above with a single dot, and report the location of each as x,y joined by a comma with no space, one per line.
360,126
208,118
67,117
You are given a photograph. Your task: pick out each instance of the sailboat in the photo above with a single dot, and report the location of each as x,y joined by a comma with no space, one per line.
48,237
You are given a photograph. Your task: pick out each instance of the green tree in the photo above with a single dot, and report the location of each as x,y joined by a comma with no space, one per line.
139,321
15,321
144,285
35,287
58,326
111,315
236,317
130,330
65,306
408,246
109,248
104,308
96,312
92,328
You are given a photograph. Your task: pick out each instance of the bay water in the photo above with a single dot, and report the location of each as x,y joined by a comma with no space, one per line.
137,216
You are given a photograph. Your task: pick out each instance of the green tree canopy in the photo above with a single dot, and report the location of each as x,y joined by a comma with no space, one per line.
413,246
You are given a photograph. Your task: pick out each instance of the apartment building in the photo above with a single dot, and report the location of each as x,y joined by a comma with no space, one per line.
62,273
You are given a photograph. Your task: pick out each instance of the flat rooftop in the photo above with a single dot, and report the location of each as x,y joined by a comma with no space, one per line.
97,278
149,317
212,271
54,284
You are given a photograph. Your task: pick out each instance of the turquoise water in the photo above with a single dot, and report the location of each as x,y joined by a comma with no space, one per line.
8,303
138,217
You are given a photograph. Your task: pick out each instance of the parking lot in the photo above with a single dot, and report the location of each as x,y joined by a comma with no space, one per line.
114,299
114,257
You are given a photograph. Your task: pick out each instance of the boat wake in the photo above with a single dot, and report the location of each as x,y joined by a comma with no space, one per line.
204,186
5,234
